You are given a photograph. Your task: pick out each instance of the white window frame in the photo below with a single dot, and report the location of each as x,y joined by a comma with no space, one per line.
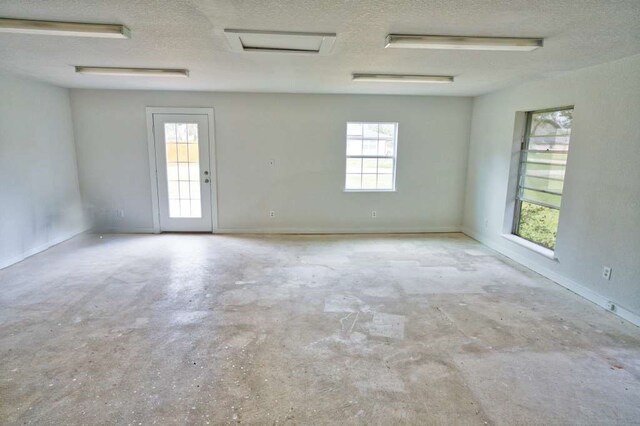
394,156
519,187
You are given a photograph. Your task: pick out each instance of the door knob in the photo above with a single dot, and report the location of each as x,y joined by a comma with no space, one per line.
206,181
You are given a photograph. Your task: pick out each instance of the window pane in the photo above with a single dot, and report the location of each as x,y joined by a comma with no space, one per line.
194,156
354,147
354,129
181,129
183,171
369,147
194,171
543,183
184,190
387,130
172,153
541,197
369,165
170,133
185,208
371,130
172,171
385,181
369,181
385,165
353,181
551,171
194,187
192,130
354,165
538,224
385,148
173,190
183,155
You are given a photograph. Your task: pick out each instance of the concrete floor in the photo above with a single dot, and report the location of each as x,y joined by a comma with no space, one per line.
202,329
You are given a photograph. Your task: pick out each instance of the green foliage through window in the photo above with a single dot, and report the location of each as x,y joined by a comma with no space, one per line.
538,224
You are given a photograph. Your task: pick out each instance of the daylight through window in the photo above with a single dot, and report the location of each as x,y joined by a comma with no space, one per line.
371,156
543,161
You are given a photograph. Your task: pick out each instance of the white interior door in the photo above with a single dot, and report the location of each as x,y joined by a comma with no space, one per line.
183,172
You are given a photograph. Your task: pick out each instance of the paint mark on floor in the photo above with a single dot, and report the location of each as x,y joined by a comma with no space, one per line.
387,325
344,303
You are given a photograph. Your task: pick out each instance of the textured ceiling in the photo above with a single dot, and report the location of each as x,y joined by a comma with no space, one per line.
189,34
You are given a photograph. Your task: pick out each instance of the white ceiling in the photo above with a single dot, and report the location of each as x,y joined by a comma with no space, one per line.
189,34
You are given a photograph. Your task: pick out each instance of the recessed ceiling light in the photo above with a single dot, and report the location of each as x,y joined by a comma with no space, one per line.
279,41
402,78
25,26
407,41
134,72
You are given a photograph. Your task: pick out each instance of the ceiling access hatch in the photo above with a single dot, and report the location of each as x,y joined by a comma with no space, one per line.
280,41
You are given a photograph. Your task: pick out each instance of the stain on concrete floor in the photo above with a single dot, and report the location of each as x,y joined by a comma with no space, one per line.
354,330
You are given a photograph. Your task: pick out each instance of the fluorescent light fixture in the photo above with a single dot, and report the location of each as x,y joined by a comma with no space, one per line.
280,41
407,41
133,72
402,78
76,29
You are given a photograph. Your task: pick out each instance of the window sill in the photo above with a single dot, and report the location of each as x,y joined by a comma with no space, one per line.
369,190
531,246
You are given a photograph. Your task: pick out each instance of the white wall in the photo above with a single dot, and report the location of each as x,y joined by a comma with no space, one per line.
600,216
39,196
305,134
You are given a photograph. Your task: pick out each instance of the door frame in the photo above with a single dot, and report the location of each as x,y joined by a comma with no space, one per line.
153,171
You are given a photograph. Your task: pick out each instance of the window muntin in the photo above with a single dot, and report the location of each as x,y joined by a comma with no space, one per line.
371,156
543,160
183,170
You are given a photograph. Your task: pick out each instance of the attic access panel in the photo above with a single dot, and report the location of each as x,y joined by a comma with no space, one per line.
280,41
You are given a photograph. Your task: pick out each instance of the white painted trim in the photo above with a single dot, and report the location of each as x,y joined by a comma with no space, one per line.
143,230
543,251
153,171
443,229
4,263
213,166
261,230
565,282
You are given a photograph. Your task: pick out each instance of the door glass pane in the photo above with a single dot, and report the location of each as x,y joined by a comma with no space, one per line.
183,170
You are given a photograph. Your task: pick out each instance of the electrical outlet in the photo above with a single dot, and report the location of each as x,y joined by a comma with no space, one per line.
272,213
611,306
606,272
374,214
120,213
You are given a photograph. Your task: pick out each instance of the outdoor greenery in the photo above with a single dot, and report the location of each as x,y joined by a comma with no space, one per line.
539,224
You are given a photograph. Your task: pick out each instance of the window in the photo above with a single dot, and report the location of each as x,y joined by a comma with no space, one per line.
543,160
183,169
371,156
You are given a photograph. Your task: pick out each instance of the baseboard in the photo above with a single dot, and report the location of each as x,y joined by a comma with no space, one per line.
316,231
4,263
297,230
143,230
565,282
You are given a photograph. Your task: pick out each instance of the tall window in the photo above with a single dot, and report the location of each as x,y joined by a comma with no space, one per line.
543,160
371,156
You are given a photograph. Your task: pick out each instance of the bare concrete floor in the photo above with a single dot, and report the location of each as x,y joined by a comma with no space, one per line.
202,329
